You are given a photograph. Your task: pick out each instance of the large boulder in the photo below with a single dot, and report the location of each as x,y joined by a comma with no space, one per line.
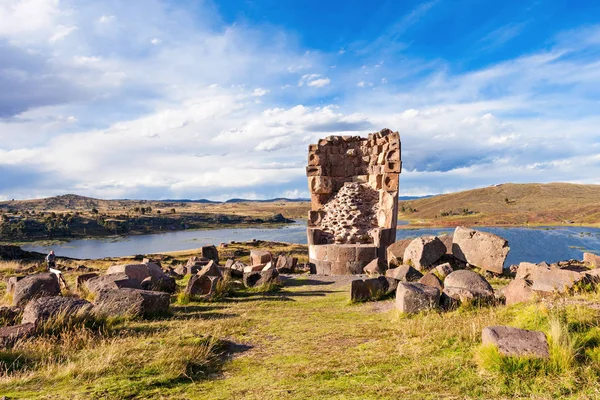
481,249
110,282
443,270
591,260
155,270
404,273
131,303
395,251
202,285
9,335
373,268
44,308
465,285
448,240
416,297
422,252
260,257
34,286
9,315
516,342
260,278
429,279
286,264
137,272
81,279
11,282
210,269
210,252
527,270
555,280
164,283
368,289
518,291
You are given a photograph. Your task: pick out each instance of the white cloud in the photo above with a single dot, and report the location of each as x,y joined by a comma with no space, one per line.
106,19
319,82
258,92
61,32
155,41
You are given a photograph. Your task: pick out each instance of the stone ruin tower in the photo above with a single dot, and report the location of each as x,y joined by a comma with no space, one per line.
353,185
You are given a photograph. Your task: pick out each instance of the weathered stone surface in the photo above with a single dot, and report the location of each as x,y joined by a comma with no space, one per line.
155,269
111,281
516,342
202,285
268,266
237,269
395,251
254,268
447,240
12,282
555,280
286,264
210,252
373,268
591,260
430,279
422,252
368,289
518,291
210,269
131,302
260,278
526,270
9,335
404,273
260,257
464,285
34,286
443,270
484,250
137,272
83,278
416,297
45,308
164,283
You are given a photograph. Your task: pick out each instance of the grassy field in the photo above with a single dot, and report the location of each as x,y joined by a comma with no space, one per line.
508,204
306,340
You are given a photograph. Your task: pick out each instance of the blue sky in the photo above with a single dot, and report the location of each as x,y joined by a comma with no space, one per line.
200,99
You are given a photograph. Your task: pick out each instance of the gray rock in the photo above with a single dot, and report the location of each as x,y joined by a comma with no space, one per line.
155,270
368,289
202,285
447,240
591,260
131,303
373,268
210,252
443,270
164,283
518,291
423,252
12,282
9,315
555,280
210,269
110,282
484,250
516,342
527,270
34,286
286,265
465,285
79,281
260,278
45,308
430,279
416,297
260,257
404,273
9,335
137,272
395,251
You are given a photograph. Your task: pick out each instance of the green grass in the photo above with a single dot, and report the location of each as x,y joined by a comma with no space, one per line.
307,342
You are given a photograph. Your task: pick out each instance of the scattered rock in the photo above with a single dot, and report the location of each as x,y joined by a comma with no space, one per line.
210,269
44,308
465,285
404,273
210,252
164,283
555,280
286,265
9,335
518,291
447,240
260,257
270,265
422,252
484,250
443,270
373,268
527,270
155,269
516,342
260,278
109,282
416,297
395,251
131,302
137,272
368,289
202,285
11,283
83,278
430,279
34,286
9,315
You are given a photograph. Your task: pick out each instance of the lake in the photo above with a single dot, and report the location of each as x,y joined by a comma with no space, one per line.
527,244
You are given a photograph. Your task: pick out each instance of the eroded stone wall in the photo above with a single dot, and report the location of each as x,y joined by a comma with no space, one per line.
353,183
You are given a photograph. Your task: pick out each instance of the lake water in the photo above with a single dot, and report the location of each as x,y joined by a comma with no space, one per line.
527,244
